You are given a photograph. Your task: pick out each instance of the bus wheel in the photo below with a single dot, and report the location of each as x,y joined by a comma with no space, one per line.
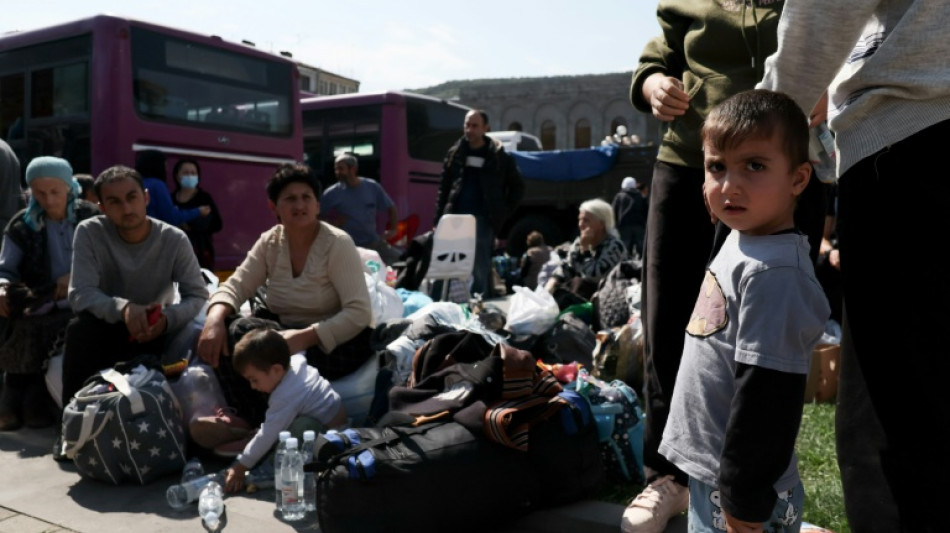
519,233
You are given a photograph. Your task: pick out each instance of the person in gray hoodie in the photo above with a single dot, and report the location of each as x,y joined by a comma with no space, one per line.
885,66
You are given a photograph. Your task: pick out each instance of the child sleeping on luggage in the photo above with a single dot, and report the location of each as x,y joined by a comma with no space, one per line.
300,398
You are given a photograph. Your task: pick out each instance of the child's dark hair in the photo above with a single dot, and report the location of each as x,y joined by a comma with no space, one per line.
535,238
292,173
261,348
87,183
759,113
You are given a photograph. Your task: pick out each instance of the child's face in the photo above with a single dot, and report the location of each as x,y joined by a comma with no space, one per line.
751,187
264,381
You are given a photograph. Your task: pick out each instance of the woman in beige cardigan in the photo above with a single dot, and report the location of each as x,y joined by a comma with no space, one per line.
306,278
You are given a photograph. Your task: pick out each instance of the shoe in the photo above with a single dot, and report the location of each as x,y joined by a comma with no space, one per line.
233,448
222,427
654,506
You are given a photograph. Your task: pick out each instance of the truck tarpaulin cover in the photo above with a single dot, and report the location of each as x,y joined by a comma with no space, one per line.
565,165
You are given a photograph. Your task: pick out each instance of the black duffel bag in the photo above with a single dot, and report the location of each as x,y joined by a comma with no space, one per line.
442,477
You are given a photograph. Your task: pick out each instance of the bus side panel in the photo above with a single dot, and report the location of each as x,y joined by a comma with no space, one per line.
412,184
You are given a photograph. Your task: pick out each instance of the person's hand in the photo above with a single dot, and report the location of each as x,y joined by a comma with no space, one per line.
834,258
136,319
144,322
234,482
299,340
820,112
4,301
213,341
62,287
734,525
666,96
205,210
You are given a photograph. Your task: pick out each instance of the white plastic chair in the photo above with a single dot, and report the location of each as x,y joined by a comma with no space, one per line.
453,251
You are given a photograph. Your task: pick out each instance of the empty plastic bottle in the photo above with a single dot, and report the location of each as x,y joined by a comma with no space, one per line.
278,454
211,505
262,476
180,495
291,483
309,480
192,470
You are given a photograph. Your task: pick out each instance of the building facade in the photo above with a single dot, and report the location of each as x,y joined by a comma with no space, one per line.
565,112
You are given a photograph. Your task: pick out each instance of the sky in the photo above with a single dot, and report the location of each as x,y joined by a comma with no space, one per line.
390,45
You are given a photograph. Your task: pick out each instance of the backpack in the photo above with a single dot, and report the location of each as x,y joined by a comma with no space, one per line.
619,419
125,427
569,339
610,302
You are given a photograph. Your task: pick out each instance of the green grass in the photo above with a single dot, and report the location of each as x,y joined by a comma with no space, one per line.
824,503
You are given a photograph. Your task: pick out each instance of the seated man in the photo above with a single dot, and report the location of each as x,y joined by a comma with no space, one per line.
351,205
125,267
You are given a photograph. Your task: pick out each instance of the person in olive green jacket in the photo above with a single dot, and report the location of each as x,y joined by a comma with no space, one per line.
708,51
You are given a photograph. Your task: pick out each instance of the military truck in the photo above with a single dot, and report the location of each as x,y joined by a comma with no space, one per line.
558,181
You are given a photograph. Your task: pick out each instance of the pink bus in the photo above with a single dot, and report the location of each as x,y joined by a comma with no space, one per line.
399,138
96,91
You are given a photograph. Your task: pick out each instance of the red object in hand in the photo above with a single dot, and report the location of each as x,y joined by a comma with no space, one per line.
154,315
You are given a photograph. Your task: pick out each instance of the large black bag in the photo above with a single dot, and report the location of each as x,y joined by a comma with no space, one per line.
442,477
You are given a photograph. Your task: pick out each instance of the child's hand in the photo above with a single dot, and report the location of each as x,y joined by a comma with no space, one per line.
235,480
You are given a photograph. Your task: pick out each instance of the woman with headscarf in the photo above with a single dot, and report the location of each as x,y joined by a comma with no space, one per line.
595,251
35,264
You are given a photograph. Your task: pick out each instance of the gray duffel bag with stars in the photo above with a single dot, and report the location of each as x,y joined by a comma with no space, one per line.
125,427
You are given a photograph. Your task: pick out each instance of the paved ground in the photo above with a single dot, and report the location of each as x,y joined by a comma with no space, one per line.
40,495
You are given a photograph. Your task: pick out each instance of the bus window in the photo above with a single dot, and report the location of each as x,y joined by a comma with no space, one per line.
431,128
60,91
97,91
399,138
181,81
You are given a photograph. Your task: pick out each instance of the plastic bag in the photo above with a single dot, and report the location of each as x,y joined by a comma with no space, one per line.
531,312
198,392
384,300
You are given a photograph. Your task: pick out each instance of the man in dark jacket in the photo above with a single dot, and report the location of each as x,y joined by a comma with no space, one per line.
479,178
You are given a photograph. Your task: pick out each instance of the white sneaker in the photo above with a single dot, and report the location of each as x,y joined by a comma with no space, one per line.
652,509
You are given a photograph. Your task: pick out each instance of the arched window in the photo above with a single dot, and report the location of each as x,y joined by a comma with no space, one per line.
582,134
548,135
515,126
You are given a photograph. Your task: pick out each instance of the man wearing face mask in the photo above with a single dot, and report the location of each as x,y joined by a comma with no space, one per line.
189,195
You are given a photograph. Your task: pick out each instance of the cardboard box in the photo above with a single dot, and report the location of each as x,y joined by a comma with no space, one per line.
823,378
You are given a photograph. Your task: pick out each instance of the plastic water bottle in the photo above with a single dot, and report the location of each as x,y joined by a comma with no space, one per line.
192,470
309,481
261,477
211,505
278,455
291,482
180,495
821,151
